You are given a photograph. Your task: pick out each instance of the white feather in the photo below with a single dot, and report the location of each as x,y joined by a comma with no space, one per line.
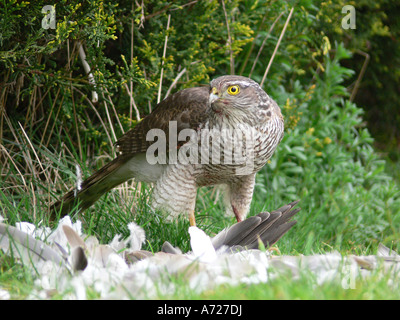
201,245
137,236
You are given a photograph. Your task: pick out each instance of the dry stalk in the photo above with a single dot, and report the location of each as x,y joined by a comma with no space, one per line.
87,69
132,100
97,114
163,59
34,151
232,61
360,75
180,74
263,43
109,121
14,164
277,46
114,110
49,117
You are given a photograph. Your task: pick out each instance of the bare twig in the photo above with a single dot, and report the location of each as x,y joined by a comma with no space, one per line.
114,110
68,56
132,100
180,74
232,62
27,156
49,117
184,5
34,201
109,121
360,75
76,123
253,43
142,17
263,43
34,151
96,112
55,121
87,69
3,99
16,167
131,82
145,77
155,13
30,114
277,46
163,59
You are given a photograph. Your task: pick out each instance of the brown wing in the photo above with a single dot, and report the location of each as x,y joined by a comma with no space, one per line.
188,107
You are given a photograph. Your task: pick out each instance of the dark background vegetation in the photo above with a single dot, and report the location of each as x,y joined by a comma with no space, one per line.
347,180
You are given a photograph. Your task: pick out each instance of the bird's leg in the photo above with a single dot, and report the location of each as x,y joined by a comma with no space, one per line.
192,219
238,216
276,249
239,195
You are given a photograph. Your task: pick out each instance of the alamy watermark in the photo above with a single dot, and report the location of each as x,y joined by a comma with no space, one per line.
349,273
349,20
49,20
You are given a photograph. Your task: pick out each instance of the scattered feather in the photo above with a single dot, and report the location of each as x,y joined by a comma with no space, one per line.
78,179
169,248
202,246
73,238
137,236
79,261
26,248
4,295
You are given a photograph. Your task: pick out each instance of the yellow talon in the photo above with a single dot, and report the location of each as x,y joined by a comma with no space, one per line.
276,249
192,219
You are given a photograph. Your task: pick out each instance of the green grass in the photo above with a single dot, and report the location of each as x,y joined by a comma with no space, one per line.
304,288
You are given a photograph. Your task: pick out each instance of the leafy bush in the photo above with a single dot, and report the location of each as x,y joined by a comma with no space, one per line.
376,34
327,161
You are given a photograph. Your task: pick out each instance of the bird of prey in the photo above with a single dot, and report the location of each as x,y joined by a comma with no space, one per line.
221,134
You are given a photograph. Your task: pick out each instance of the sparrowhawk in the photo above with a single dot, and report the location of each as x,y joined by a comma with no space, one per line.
221,134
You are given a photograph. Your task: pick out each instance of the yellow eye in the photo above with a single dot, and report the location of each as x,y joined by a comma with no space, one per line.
233,90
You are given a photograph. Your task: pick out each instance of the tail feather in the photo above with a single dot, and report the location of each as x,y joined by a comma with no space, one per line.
91,189
268,228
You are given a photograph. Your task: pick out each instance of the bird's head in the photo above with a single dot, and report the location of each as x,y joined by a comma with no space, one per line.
240,98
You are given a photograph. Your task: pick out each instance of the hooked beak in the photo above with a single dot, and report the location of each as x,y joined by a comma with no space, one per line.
213,95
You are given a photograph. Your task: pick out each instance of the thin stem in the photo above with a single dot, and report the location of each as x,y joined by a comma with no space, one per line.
232,61
163,59
277,46
263,44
